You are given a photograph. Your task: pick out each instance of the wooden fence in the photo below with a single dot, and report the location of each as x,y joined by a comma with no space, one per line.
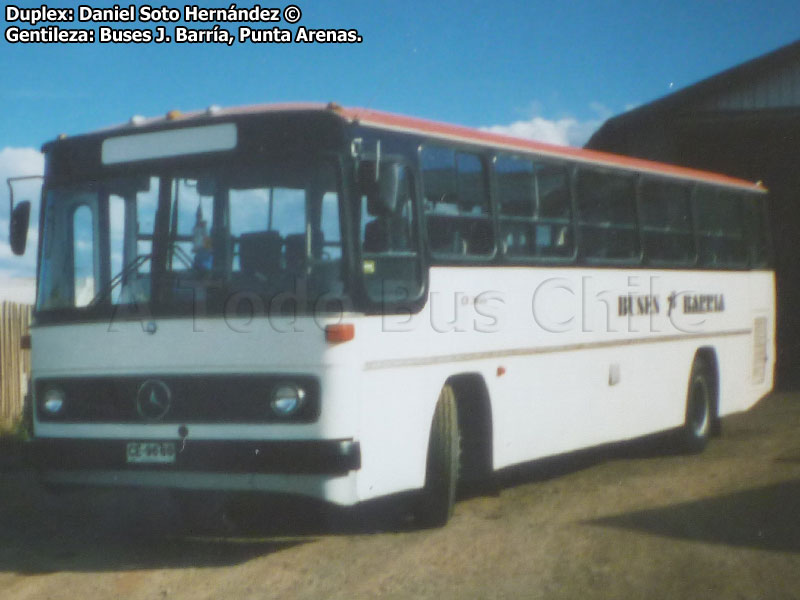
15,362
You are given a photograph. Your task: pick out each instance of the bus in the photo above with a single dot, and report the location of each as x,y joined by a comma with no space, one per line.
345,304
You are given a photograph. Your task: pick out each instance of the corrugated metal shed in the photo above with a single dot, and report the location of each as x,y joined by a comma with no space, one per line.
767,83
776,88
743,122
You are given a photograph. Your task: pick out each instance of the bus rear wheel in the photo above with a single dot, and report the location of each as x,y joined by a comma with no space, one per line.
698,424
435,505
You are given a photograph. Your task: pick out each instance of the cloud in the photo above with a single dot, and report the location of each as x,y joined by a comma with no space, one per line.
566,131
602,111
17,272
538,129
21,161
17,289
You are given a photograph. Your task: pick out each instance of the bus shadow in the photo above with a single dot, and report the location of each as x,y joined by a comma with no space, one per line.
763,518
655,446
280,516
105,554
97,530
110,530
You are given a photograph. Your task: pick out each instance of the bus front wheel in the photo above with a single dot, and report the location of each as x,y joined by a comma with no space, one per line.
699,410
435,506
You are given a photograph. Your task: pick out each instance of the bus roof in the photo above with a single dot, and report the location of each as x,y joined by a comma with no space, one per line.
444,131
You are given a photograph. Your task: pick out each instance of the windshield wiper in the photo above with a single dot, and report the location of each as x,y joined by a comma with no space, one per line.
123,274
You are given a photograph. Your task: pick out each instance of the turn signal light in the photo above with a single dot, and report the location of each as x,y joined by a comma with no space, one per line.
341,332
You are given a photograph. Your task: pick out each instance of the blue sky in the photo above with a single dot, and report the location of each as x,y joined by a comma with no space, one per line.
554,69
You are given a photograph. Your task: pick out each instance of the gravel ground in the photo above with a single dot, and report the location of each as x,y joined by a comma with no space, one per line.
630,521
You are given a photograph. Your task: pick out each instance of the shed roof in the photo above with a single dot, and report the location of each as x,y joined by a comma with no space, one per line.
768,82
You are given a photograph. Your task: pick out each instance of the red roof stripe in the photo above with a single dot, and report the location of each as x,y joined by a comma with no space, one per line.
466,134
460,133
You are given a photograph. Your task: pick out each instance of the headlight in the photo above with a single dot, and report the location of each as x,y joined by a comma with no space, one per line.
287,400
54,400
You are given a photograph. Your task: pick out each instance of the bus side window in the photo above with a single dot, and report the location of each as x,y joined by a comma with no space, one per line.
755,220
456,203
516,205
534,208
607,215
666,221
553,211
719,228
388,235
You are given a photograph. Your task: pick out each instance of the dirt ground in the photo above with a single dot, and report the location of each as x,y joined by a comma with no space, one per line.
631,521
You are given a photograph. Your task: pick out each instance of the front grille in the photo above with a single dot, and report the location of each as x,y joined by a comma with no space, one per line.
197,399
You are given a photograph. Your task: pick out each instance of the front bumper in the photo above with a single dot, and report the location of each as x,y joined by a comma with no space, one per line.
318,457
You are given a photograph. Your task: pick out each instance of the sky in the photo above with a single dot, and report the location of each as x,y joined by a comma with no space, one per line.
552,71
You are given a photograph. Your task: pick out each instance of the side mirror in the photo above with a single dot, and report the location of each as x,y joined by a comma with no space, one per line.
381,191
389,184
18,227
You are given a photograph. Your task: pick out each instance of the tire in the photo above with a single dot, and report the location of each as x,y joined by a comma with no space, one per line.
699,421
435,506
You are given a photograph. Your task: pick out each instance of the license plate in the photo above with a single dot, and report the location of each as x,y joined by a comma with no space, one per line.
150,452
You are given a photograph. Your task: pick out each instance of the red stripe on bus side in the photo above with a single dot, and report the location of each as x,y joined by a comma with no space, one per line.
416,125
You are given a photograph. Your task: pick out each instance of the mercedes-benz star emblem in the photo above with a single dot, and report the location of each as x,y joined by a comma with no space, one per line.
153,400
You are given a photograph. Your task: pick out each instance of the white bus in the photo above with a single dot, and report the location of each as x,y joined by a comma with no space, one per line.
346,304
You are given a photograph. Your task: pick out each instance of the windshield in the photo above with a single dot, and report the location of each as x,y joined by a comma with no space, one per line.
245,236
